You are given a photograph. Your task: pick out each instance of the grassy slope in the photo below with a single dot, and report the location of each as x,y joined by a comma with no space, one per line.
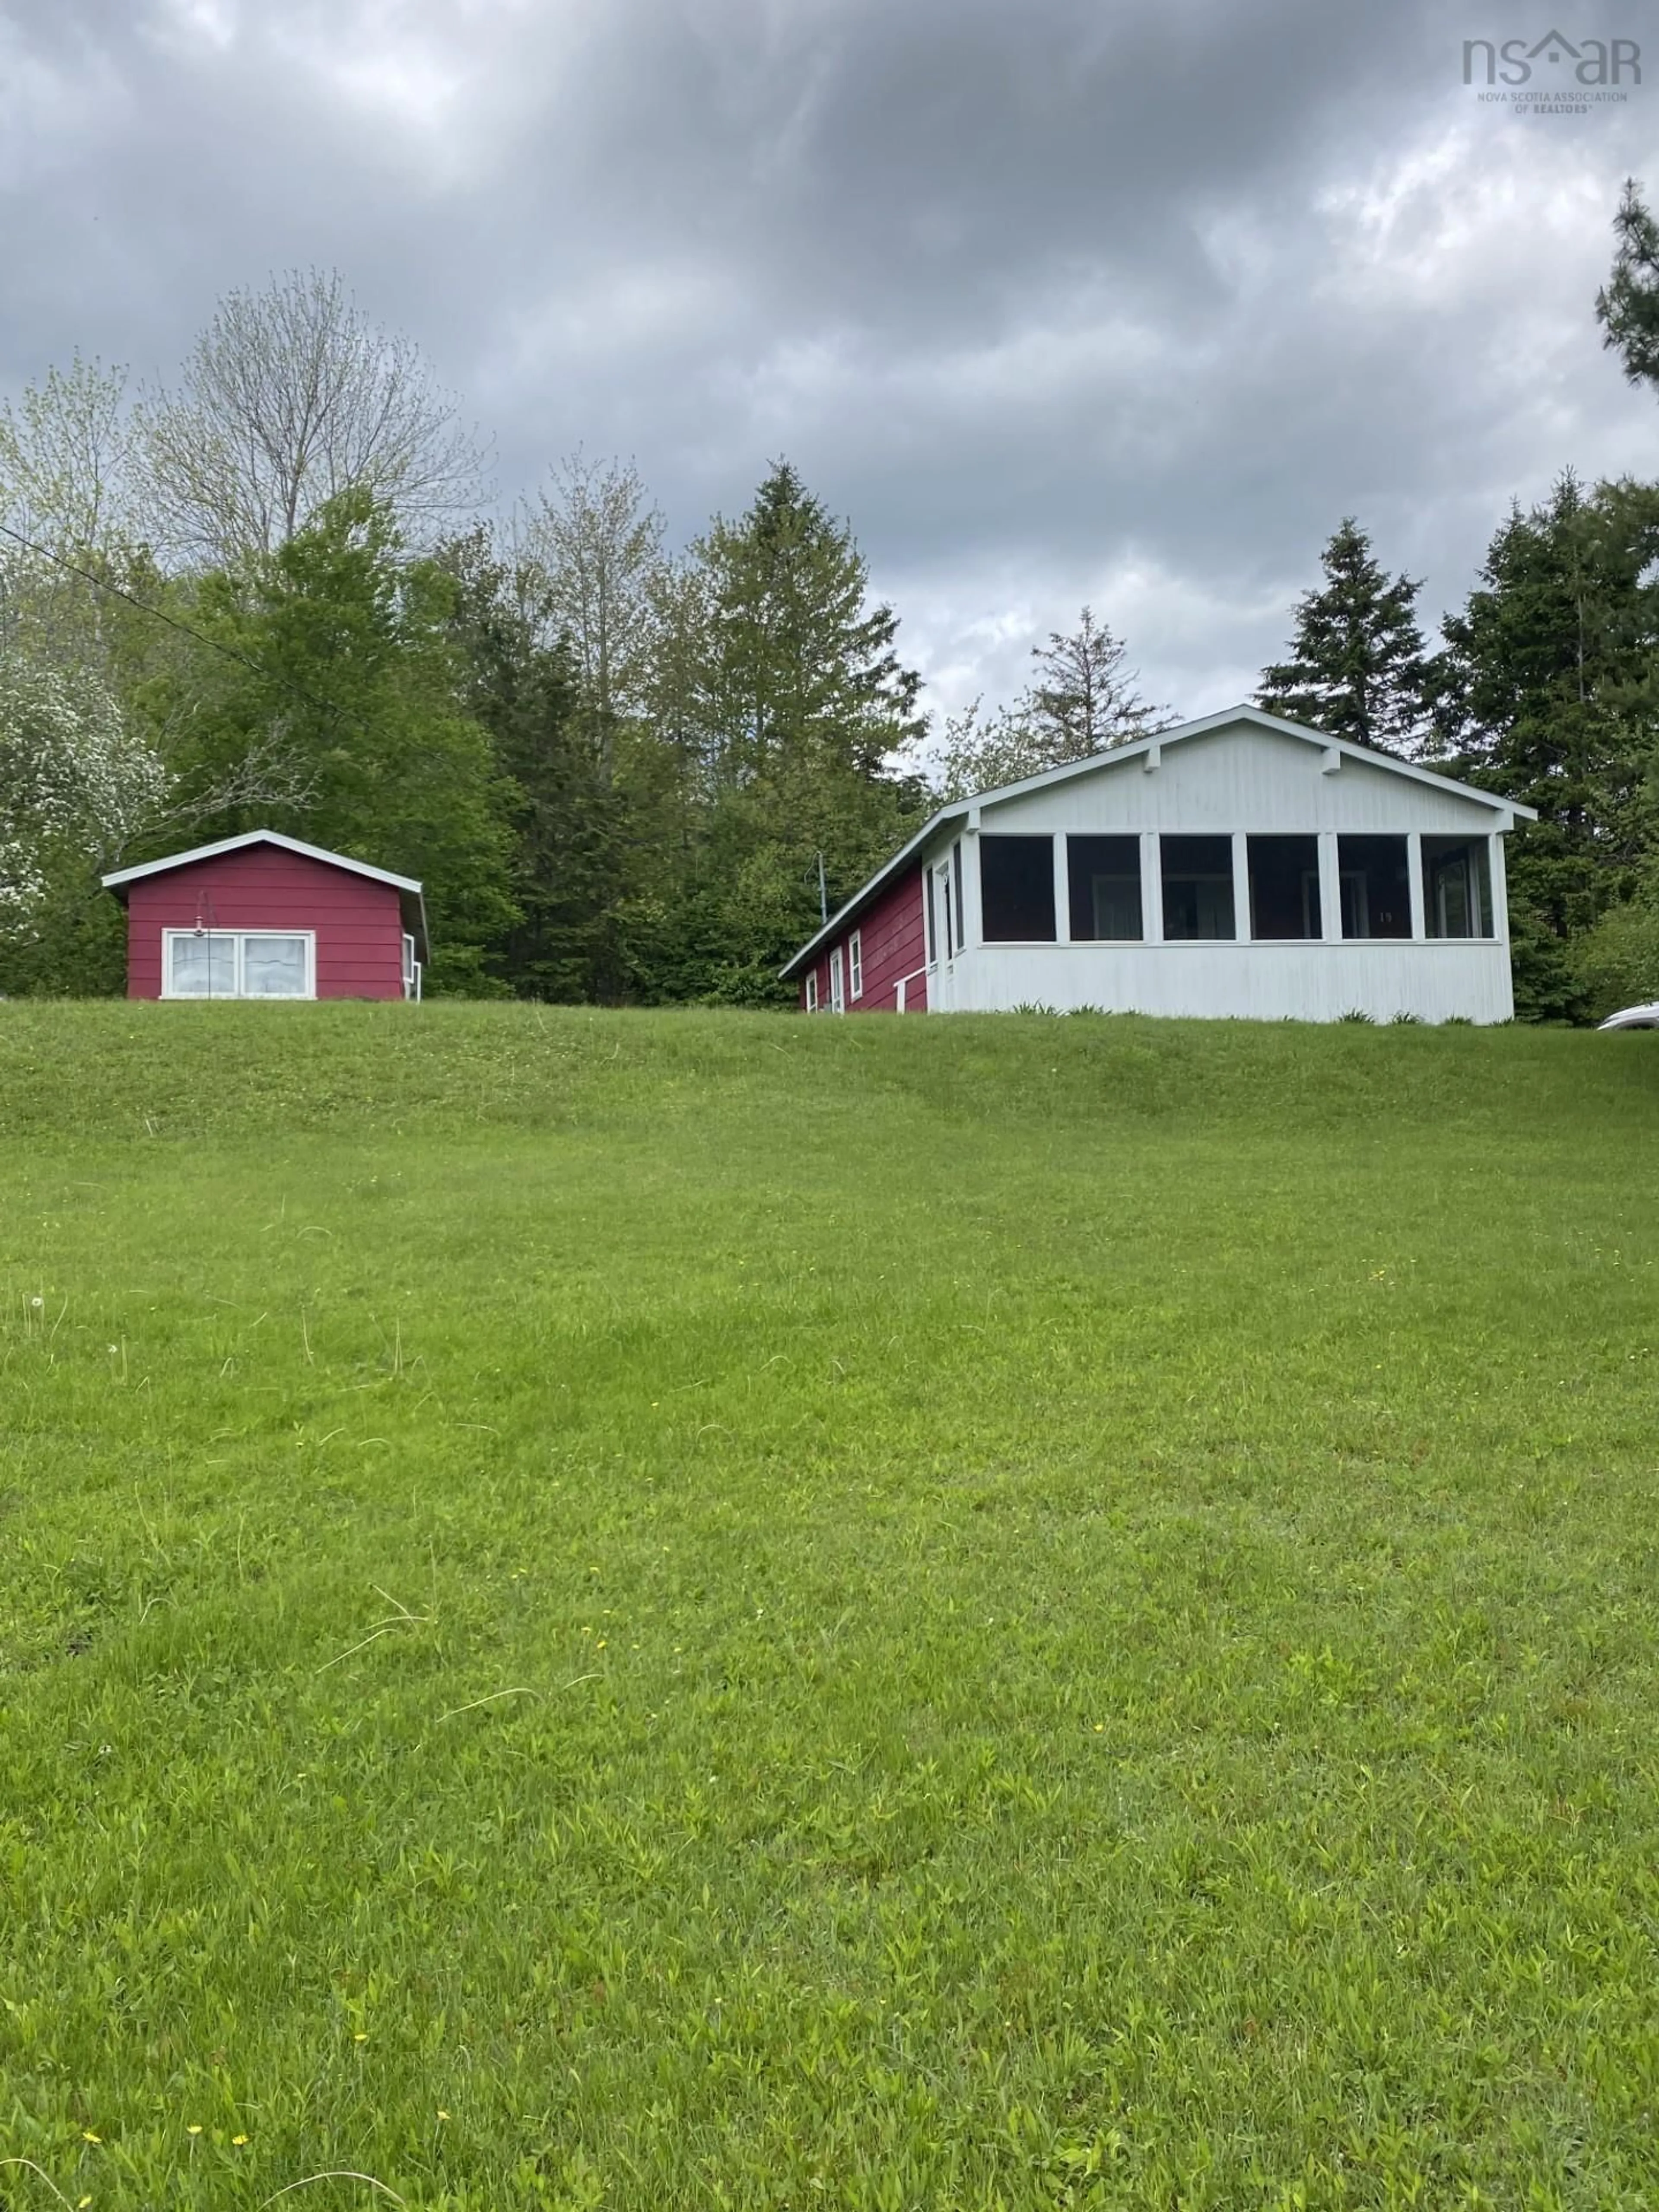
640,1610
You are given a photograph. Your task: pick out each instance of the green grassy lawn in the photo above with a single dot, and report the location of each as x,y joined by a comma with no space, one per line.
638,1611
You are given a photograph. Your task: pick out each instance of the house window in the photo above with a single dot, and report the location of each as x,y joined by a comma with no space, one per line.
855,963
956,886
1284,887
1198,887
1016,890
1377,898
239,963
837,996
1456,887
1104,878
811,990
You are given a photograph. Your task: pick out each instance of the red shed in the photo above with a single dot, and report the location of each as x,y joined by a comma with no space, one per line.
263,916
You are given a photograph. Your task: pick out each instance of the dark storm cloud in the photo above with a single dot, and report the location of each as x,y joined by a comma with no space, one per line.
1055,300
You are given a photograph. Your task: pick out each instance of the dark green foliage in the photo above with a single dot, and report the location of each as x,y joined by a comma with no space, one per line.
1357,668
75,945
1551,695
349,685
1616,963
1627,307
800,707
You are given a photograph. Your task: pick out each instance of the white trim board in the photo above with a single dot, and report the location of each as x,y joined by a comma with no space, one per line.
258,837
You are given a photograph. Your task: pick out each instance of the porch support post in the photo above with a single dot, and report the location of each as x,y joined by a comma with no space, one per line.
1241,887
1151,889
1330,889
1062,892
1414,885
1500,894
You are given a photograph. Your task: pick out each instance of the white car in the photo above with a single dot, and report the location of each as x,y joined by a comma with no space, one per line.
1633,1017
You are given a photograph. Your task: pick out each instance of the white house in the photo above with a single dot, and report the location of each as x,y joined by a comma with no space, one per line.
1238,865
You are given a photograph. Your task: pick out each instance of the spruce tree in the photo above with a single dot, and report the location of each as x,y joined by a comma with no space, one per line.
1627,306
1551,697
1084,700
806,712
1357,669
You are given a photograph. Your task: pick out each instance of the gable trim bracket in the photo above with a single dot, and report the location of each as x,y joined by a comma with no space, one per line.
1332,762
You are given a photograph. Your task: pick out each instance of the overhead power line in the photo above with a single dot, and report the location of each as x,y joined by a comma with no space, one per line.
160,614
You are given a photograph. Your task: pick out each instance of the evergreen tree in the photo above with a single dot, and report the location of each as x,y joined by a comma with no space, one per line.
1083,700
803,711
1627,306
1551,697
1357,668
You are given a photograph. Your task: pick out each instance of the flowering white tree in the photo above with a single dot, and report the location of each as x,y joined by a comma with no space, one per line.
75,784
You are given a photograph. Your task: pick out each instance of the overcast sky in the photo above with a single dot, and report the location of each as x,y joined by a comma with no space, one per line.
1056,300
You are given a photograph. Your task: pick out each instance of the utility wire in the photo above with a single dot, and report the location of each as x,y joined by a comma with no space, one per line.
143,606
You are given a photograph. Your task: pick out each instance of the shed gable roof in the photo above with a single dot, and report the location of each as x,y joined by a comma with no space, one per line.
408,888
120,876
1227,718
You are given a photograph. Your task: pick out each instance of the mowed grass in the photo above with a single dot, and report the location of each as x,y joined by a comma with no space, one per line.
641,1610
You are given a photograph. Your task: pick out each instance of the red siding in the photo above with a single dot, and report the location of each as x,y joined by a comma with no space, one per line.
894,942
359,923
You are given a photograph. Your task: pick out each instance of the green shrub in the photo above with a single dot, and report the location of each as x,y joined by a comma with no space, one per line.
1617,962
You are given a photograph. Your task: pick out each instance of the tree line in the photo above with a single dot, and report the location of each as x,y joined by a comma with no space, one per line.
265,596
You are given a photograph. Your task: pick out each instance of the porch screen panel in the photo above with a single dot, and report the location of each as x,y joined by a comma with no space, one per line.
1103,876
1457,887
1376,880
1198,887
1017,889
1284,886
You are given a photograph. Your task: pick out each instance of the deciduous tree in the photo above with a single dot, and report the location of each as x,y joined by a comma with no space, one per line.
288,398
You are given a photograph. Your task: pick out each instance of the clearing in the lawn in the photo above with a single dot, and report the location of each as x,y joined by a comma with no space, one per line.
636,1611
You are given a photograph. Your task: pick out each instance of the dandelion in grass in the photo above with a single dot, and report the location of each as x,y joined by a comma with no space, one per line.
362,2036
239,2140
442,2114
194,2128
82,2204
87,2135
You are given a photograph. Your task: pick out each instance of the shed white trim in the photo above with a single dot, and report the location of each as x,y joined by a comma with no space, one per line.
258,837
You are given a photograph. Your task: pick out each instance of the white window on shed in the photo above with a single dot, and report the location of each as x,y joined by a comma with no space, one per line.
274,968
811,990
855,963
239,963
837,988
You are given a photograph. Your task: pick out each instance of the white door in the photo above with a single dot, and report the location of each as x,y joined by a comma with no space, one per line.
945,932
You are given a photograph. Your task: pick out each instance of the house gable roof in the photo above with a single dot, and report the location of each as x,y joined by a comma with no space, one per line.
1228,718
413,904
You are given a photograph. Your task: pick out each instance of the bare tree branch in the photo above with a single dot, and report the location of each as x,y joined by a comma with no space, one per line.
289,398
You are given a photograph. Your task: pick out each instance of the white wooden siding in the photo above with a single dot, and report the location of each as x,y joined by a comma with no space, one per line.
1243,779
1253,780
